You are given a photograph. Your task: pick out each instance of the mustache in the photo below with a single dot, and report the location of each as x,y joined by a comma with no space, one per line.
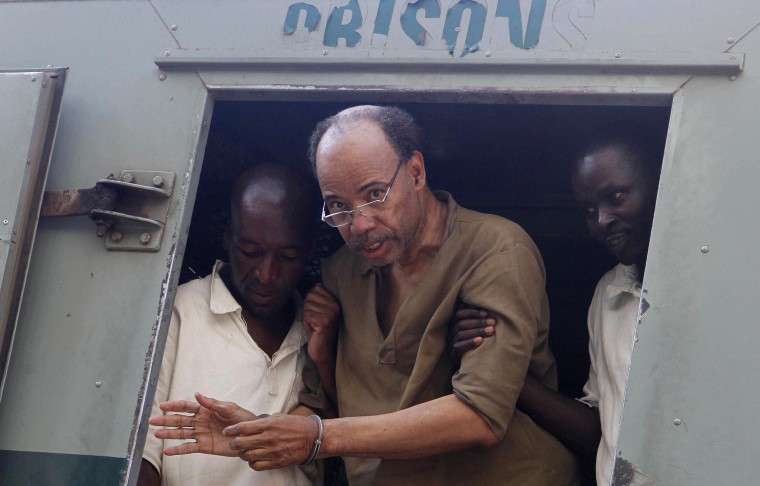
360,241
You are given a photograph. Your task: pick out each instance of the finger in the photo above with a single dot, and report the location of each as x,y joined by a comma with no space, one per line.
172,420
470,313
180,406
208,402
473,333
179,434
245,428
247,443
467,324
467,345
262,465
186,448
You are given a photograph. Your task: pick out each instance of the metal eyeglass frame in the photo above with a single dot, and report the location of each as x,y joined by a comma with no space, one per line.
328,218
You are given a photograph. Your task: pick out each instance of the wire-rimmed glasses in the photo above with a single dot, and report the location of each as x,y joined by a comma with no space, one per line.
370,209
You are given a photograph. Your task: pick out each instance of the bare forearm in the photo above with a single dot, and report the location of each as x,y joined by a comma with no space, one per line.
442,425
576,425
326,370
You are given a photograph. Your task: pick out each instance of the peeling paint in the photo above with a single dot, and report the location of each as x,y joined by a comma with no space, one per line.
336,29
628,474
511,10
409,23
294,12
474,30
383,19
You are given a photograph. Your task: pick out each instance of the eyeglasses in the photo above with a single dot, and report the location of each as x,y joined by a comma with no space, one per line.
370,209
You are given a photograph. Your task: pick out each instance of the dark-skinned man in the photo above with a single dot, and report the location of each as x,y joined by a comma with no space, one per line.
614,182
407,414
237,333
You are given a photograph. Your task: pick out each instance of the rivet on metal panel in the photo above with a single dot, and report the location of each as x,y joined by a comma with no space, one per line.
677,422
705,249
174,26
5,221
162,77
618,55
158,181
28,161
732,56
145,238
730,40
127,178
34,79
732,77
167,53
324,53
488,53
457,29
116,236
98,384
44,85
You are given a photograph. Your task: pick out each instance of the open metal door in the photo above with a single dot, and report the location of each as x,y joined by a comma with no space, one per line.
31,103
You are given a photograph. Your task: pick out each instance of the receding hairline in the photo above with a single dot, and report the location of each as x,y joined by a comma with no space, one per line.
280,185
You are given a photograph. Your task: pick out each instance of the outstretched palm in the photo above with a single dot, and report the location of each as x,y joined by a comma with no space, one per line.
205,425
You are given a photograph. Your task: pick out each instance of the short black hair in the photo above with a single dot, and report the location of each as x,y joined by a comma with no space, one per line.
642,147
397,124
304,201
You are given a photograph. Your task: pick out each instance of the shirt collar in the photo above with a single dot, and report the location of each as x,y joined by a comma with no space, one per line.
626,280
367,266
221,300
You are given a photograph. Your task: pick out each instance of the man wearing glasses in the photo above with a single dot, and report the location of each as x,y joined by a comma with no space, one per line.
408,413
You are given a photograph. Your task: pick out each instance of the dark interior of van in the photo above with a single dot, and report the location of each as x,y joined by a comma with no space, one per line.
507,159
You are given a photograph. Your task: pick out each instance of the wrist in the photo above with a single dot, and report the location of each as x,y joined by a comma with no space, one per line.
316,443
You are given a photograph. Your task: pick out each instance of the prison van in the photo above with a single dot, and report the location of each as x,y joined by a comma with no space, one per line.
124,123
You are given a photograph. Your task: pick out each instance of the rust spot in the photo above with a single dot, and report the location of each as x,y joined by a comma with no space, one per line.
77,202
628,474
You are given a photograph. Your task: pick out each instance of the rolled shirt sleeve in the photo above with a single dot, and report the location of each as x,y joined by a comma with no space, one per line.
510,285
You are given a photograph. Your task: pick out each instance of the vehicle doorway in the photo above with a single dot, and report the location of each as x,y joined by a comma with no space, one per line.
501,158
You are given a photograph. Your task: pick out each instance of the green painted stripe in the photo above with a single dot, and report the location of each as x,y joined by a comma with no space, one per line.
18,468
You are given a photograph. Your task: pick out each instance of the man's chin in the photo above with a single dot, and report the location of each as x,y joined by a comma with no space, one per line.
266,310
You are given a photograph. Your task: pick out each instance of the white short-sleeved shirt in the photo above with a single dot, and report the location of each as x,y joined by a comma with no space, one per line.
612,321
209,350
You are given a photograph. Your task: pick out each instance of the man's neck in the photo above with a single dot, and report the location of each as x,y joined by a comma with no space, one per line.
429,237
401,277
270,332
267,332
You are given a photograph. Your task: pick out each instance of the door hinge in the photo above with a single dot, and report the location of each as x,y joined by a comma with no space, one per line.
129,211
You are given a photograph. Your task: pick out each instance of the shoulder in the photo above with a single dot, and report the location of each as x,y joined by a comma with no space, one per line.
342,261
194,292
484,232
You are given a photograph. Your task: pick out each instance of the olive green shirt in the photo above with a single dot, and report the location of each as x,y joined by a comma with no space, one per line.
484,261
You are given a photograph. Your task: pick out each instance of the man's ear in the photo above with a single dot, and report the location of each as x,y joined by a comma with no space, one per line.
416,168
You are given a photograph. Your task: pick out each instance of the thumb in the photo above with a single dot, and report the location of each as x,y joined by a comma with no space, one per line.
210,403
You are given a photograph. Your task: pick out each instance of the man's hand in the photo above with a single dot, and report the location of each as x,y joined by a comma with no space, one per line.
205,424
273,442
469,327
321,313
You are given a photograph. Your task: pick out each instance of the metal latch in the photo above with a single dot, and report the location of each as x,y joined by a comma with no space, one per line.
129,211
